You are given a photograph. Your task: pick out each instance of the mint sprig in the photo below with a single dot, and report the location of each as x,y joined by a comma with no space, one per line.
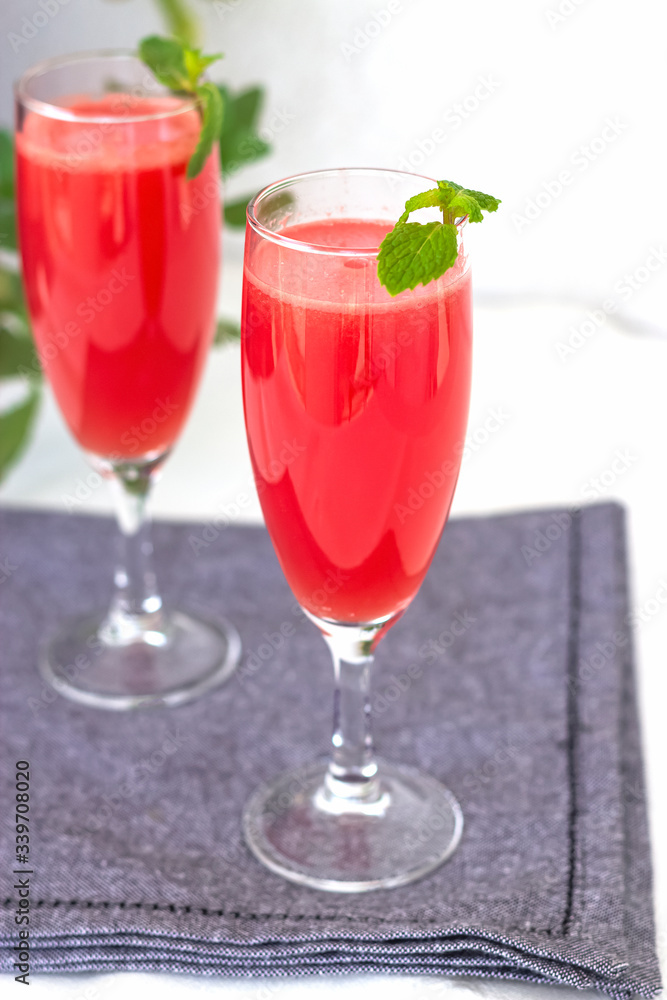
178,67
415,253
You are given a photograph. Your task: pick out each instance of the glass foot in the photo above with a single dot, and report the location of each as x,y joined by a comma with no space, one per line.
168,666
300,829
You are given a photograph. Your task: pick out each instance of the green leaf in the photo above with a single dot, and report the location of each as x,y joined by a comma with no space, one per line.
447,190
212,108
235,212
239,142
7,224
165,57
179,20
485,201
196,63
427,199
460,201
462,205
248,148
248,106
7,210
179,68
17,354
6,164
15,427
226,332
413,254
11,292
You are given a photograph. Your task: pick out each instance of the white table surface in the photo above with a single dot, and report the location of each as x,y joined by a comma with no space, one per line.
587,427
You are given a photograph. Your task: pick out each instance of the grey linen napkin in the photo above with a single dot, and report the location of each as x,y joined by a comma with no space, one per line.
528,714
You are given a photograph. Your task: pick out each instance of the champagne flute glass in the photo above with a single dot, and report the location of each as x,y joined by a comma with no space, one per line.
371,394
120,256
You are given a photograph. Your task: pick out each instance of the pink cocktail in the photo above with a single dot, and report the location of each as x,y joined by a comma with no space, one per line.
121,255
356,406
120,269
371,393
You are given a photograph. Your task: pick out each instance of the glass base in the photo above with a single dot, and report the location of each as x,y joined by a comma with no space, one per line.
168,666
300,830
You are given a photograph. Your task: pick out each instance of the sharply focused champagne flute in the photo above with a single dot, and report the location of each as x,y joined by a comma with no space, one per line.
121,255
371,395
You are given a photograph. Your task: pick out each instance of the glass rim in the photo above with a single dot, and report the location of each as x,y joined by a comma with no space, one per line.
286,182
48,110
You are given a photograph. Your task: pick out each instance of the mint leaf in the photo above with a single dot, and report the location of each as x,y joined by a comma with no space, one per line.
226,332
485,201
17,354
463,204
196,63
7,212
239,142
178,67
165,57
416,253
211,107
235,212
180,20
427,199
15,427
413,254
7,224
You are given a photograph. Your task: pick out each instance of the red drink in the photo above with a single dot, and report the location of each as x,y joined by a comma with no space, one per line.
356,407
120,258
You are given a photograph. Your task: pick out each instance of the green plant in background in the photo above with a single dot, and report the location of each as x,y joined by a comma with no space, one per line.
20,371
179,20
17,352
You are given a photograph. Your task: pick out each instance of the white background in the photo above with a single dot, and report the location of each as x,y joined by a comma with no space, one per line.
501,97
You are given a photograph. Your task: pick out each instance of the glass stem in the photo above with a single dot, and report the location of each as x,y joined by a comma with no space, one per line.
136,606
353,769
